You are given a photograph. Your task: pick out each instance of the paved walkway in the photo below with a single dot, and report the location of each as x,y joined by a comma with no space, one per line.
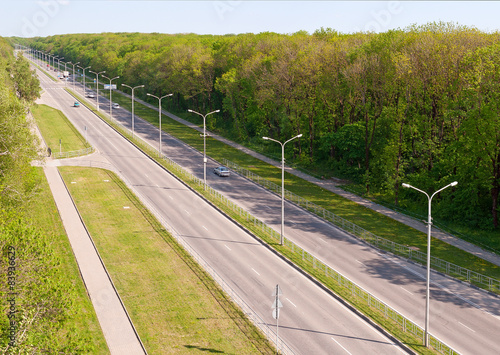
115,324
332,186
117,328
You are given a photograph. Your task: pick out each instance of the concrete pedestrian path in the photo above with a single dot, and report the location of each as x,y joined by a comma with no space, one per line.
333,187
115,323
117,327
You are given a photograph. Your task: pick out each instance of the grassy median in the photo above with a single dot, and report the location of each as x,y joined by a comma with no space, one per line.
83,323
366,218
55,127
174,304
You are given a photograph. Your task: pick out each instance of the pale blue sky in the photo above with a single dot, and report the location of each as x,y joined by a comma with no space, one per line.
28,18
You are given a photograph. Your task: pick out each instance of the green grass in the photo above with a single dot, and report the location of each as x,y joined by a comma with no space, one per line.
45,216
366,218
175,306
374,314
55,126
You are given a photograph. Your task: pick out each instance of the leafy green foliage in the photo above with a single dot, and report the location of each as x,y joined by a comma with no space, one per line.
38,299
399,100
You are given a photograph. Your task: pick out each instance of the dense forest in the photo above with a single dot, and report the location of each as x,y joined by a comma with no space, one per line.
419,105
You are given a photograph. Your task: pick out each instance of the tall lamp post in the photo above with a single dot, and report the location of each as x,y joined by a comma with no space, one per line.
133,88
97,86
159,117
59,63
282,182
110,100
49,55
74,73
84,77
429,226
204,145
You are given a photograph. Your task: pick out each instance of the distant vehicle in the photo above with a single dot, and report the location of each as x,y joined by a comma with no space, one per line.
91,95
115,105
221,171
65,73
76,104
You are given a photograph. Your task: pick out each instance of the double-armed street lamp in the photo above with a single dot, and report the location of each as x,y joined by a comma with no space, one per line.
59,63
74,73
84,77
110,99
159,116
429,227
282,182
97,86
204,145
50,55
133,88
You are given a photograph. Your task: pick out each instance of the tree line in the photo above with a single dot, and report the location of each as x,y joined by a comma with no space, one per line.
37,298
417,105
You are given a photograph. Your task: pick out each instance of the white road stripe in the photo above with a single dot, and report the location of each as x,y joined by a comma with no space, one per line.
341,346
205,228
227,247
255,271
463,325
291,303
411,293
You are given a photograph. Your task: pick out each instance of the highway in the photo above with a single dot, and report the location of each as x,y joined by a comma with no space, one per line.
461,316
311,321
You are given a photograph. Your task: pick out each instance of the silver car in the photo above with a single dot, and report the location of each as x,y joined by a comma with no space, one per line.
221,171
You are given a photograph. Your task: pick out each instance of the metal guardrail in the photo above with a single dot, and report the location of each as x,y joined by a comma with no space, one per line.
399,249
72,154
361,295
406,324
249,312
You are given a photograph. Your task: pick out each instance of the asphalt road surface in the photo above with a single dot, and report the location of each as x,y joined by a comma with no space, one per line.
463,317
311,321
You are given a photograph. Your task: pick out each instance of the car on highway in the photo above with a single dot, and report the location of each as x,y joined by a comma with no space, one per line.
115,105
221,171
91,95
76,104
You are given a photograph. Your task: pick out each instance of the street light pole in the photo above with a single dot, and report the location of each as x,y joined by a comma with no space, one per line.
83,77
59,63
159,117
74,73
110,100
204,145
133,88
97,86
282,182
429,227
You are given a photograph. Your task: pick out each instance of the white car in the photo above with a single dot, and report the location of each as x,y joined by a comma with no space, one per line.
91,95
115,105
221,171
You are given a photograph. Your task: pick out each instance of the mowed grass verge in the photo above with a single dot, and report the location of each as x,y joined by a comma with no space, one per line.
366,218
55,126
44,215
175,306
